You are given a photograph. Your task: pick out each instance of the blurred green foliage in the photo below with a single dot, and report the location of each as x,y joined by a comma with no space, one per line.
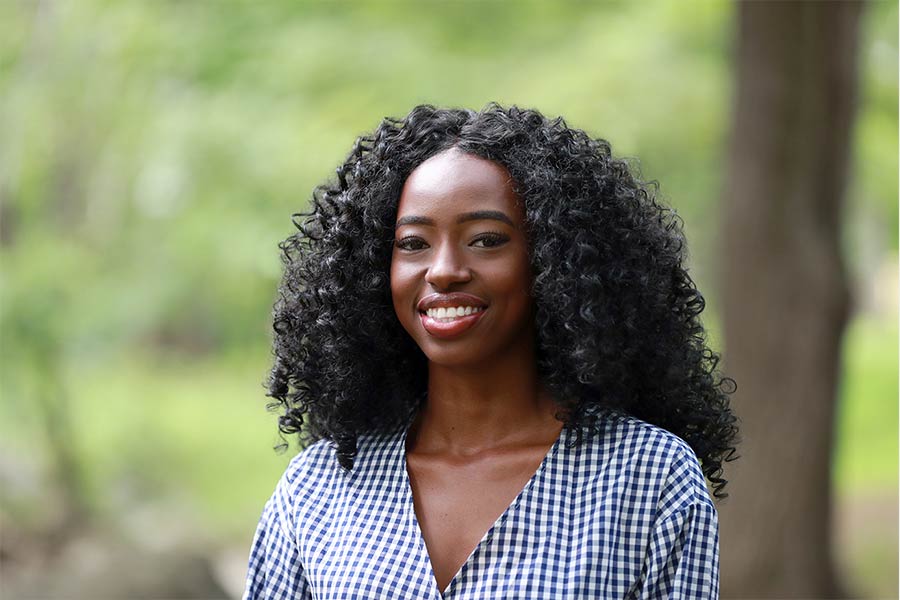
867,450
151,154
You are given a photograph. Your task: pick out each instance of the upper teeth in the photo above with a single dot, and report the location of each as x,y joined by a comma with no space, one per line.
452,312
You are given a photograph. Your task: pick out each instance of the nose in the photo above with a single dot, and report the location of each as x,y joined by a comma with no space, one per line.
448,267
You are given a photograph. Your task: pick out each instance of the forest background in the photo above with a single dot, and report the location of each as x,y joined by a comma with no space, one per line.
151,154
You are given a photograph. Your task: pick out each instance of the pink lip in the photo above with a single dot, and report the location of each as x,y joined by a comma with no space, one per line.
447,300
451,329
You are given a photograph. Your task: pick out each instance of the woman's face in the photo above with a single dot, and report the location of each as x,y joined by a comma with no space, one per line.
460,242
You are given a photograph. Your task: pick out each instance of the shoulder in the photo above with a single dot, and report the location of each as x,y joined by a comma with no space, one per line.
647,459
649,443
314,475
316,459
378,463
307,478
671,461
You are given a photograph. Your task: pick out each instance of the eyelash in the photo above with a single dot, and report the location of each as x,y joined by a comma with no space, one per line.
492,236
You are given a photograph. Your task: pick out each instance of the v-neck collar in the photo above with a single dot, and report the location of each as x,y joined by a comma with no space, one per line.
413,521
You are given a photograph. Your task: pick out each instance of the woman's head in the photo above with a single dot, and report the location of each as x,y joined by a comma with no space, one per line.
615,315
460,243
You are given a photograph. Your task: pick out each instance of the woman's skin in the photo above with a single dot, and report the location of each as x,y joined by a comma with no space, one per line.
488,423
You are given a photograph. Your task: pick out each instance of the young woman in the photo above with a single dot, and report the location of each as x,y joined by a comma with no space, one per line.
488,340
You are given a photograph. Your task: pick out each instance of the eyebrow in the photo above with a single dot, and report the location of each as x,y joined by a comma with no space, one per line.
495,215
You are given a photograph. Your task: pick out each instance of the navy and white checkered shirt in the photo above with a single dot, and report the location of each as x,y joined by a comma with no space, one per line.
624,515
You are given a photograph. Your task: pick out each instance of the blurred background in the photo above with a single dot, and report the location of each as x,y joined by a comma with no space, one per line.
151,154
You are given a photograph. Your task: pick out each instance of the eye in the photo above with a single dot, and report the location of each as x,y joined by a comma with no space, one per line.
408,243
492,239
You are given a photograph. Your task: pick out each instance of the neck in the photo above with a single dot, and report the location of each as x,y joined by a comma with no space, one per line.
470,410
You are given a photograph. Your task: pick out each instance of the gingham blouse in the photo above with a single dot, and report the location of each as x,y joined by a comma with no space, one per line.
624,515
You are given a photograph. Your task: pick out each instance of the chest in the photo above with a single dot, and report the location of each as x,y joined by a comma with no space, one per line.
458,501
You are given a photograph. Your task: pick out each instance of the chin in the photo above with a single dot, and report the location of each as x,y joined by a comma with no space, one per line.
458,358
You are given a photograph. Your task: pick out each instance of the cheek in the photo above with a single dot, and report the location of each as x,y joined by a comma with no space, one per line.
514,280
402,284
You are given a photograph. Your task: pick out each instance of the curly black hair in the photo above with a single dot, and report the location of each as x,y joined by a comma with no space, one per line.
617,315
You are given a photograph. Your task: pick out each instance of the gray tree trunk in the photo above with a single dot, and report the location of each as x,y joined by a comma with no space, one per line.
785,293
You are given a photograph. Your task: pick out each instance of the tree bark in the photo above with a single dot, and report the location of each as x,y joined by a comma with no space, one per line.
785,292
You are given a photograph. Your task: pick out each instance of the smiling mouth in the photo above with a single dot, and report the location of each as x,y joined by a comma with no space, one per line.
449,327
443,315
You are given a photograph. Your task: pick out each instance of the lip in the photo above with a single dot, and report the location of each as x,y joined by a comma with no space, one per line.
454,328
448,300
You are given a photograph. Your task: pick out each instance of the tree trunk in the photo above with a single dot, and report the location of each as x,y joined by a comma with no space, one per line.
785,292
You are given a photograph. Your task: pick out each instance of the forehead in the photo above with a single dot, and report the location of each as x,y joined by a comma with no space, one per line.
454,182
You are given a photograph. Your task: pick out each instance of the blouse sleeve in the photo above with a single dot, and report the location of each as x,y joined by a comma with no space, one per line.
682,561
275,571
